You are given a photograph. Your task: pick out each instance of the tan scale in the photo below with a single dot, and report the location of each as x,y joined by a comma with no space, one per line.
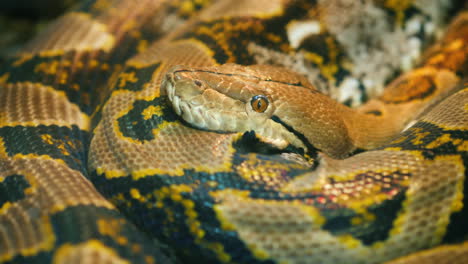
25,227
54,187
196,94
43,105
89,252
449,254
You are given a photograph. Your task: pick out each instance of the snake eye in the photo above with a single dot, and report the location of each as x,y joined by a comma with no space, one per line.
259,103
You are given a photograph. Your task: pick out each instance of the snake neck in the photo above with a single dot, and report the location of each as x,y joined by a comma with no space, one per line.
338,130
370,129
380,120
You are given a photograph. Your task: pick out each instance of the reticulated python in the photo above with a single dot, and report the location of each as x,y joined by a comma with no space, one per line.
278,173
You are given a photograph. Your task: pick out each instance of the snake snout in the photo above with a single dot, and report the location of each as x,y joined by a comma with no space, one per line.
186,94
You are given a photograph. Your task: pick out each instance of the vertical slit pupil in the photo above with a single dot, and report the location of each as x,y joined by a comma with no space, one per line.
259,103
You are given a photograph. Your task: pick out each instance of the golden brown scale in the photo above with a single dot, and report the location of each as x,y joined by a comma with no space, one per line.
332,128
225,93
135,158
434,193
280,229
452,254
55,176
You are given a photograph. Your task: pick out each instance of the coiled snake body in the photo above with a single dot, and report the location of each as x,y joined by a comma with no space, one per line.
201,159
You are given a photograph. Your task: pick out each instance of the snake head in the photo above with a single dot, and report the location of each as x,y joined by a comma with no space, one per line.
263,99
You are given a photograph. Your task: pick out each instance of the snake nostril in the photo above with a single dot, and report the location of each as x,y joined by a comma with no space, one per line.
169,76
197,83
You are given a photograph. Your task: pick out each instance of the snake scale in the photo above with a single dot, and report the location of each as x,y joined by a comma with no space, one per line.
135,132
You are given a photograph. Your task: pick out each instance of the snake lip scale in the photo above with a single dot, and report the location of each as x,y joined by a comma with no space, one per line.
188,110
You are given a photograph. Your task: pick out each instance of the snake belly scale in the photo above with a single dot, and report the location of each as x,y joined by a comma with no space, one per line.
155,132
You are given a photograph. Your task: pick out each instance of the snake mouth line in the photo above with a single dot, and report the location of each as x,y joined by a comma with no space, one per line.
311,149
